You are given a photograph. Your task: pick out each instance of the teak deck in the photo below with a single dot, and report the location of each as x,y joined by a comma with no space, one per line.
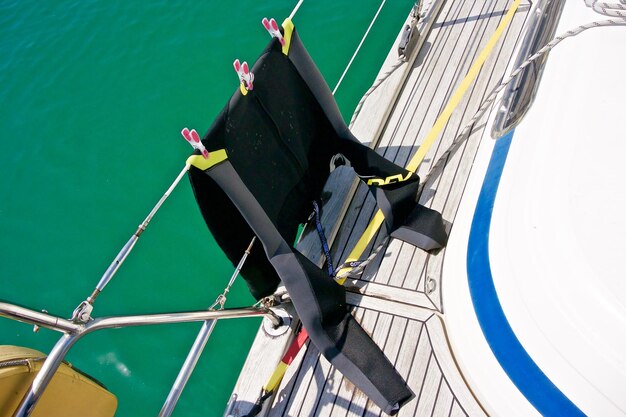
398,298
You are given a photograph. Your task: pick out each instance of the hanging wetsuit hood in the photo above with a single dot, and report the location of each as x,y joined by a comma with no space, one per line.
270,153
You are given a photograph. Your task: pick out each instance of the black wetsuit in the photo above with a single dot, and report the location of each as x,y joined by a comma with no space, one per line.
280,138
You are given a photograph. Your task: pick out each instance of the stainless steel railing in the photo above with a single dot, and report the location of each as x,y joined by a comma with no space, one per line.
73,331
519,95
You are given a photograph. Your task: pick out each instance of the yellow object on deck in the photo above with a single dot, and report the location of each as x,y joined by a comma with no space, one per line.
69,394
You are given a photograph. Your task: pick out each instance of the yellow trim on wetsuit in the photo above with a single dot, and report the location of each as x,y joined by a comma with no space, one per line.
288,28
215,157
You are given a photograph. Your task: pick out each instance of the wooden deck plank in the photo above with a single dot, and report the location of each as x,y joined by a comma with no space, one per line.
409,255
314,388
404,255
261,366
471,101
363,204
445,361
428,396
309,375
417,371
398,309
406,355
391,293
445,397
412,338
457,411
451,182
450,185
446,74
480,32
387,264
415,94
296,389
322,391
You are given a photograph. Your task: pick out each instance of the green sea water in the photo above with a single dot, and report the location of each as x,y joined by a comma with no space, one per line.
93,95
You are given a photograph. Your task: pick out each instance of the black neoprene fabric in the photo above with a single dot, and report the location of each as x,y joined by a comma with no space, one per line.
280,138
320,304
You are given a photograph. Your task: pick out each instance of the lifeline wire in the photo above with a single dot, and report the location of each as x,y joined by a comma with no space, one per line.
295,10
82,313
358,47
119,259
221,299
401,60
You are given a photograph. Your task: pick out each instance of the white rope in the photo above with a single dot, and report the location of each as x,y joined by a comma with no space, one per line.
358,47
465,133
295,9
374,86
355,271
608,9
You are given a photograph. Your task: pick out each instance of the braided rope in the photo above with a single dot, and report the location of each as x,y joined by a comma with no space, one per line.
465,133
374,86
358,267
608,9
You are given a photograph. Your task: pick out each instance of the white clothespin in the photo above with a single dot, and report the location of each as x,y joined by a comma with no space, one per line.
272,28
246,77
194,140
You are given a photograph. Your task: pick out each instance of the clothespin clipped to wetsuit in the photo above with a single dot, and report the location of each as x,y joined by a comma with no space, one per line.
272,27
193,138
246,77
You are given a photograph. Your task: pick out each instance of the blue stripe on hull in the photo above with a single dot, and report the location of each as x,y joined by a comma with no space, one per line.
508,350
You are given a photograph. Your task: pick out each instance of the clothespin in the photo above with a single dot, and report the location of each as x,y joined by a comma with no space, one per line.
272,28
194,140
246,77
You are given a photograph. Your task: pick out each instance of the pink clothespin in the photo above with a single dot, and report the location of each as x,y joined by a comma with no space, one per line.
245,75
272,28
194,140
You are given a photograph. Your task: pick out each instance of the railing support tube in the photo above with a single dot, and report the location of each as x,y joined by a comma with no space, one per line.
74,331
187,368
